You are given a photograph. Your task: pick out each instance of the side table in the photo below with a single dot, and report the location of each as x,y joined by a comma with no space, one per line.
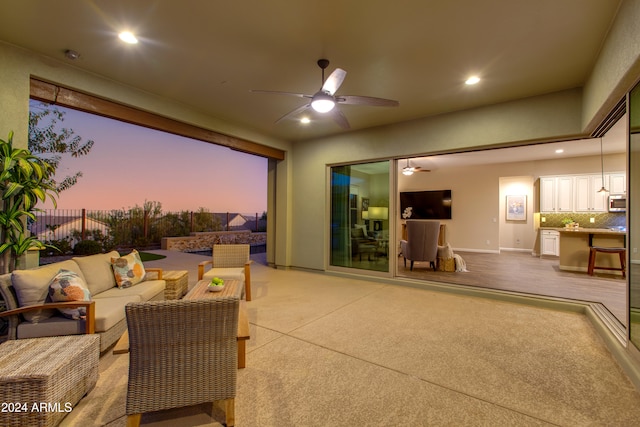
177,283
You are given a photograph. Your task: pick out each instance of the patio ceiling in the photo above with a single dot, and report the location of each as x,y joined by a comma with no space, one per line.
210,54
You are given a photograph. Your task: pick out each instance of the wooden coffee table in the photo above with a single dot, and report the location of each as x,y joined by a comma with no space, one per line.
200,291
232,288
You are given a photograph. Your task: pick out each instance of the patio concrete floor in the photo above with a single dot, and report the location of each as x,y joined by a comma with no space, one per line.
328,350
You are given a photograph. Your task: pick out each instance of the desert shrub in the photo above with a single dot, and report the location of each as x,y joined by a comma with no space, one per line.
60,247
87,247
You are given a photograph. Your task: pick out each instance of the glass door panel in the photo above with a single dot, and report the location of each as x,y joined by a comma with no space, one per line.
633,224
359,229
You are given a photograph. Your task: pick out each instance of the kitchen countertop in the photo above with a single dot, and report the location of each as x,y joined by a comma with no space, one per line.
586,230
575,246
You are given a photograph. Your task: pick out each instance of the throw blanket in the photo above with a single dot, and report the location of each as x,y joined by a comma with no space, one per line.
460,264
445,252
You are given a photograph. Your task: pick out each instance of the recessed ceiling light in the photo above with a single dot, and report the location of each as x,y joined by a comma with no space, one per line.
305,120
559,151
128,37
71,54
472,80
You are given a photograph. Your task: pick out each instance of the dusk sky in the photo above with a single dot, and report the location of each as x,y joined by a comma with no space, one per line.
129,164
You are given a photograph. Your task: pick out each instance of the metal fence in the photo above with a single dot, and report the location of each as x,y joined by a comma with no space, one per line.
114,229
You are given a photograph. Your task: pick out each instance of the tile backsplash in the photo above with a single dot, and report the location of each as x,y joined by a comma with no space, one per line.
601,219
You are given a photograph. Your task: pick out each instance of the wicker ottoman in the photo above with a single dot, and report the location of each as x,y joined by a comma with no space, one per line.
177,283
42,379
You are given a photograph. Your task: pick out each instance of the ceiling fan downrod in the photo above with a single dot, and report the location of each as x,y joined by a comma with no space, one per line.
323,63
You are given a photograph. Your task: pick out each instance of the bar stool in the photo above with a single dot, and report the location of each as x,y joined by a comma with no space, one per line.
592,259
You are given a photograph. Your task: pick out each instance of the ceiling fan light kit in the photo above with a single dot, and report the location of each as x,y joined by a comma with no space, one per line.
409,170
325,100
322,102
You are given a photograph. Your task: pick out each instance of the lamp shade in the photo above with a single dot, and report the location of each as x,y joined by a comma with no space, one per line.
365,214
378,212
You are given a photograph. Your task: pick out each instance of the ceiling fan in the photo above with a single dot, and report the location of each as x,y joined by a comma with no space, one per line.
409,170
325,100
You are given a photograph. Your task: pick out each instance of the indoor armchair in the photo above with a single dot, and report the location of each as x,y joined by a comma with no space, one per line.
362,243
422,242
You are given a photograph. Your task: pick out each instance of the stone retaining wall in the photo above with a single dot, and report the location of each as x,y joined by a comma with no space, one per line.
202,241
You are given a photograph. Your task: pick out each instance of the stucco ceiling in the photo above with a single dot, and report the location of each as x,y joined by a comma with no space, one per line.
209,54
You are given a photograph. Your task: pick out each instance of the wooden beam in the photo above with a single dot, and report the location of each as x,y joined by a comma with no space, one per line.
66,97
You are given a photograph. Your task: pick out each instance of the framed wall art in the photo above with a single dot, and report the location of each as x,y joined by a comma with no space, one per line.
516,208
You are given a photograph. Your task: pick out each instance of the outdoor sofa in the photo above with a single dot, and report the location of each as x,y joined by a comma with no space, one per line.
32,312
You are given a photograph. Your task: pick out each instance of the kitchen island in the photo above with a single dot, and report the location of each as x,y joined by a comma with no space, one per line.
575,244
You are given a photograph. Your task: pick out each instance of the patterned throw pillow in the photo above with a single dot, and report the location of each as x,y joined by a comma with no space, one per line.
68,286
128,270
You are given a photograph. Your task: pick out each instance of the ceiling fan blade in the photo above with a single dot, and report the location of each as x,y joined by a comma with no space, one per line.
366,100
339,118
333,82
277,92
294,112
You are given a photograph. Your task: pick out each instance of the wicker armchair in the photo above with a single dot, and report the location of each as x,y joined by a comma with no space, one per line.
181,353
229,262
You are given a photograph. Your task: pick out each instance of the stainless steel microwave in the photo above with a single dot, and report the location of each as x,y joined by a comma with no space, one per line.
617,202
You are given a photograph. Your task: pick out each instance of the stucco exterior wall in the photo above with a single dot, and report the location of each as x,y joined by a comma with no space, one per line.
548,117
618,66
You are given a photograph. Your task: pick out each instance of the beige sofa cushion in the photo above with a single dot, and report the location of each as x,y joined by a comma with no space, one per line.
51,327
32,286
146,290
97,271
110,311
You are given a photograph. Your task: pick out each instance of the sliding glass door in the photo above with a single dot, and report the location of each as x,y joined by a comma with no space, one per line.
633,199
359,228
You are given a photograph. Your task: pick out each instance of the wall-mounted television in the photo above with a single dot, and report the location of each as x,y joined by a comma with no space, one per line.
433,204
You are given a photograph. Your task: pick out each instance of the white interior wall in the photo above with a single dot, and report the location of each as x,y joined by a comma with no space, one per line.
517,235
478,194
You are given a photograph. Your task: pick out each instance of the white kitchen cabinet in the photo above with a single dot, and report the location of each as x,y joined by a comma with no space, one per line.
549,242
564,195
579,193
556,194
587,198
617,183
547,194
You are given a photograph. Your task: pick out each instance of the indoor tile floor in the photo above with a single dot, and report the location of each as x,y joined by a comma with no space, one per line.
327,350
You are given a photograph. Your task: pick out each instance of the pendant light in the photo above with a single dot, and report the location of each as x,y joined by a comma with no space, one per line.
603,189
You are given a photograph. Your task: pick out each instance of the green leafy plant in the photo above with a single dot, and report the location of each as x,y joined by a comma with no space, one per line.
566,221
57,247
24,180
87,247
49,140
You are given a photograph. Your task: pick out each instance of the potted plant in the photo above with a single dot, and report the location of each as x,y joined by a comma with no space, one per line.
24,179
